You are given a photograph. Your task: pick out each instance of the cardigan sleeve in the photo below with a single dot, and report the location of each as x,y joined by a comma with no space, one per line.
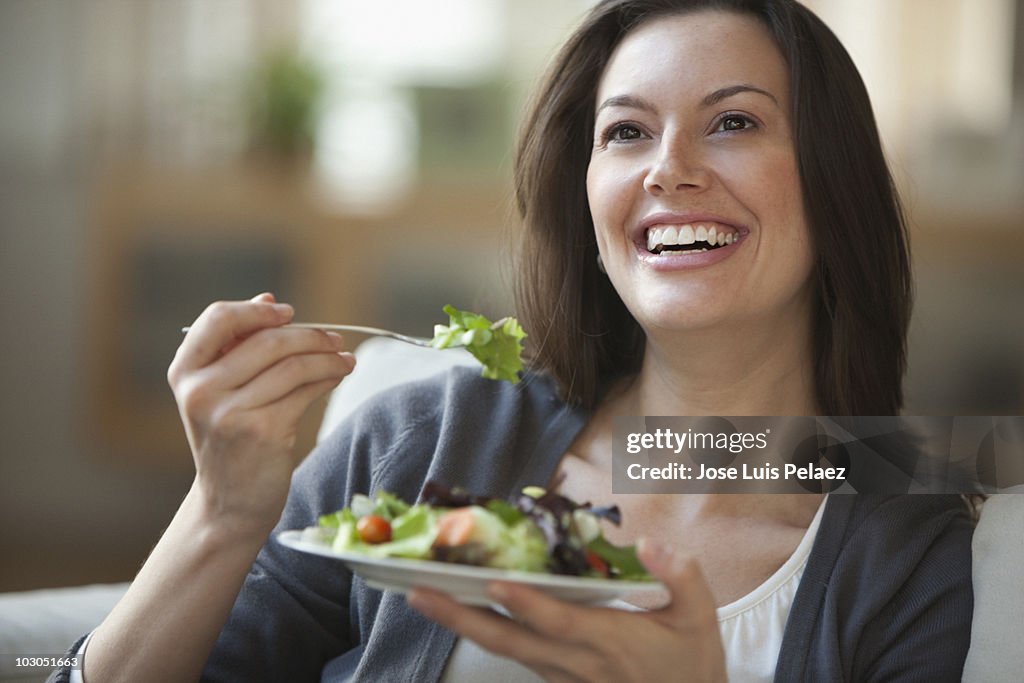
886,594
923,631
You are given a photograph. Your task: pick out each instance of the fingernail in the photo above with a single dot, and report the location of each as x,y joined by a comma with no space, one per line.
283,309
336,340
351,360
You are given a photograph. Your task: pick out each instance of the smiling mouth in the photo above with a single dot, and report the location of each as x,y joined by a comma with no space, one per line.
689,238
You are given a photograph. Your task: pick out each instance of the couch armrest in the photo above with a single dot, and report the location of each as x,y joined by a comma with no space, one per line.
47,622
996,653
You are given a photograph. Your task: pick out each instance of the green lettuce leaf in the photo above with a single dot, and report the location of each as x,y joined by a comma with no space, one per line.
335,519
389,506
497,345
621,559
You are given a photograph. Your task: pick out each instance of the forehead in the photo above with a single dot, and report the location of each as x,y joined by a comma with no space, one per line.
693,54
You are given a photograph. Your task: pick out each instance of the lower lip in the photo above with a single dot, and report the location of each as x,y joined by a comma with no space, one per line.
686,260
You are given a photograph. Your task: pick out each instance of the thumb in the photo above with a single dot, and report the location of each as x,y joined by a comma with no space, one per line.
690,595
264,298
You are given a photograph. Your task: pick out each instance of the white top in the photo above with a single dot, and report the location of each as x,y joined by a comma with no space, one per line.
751,630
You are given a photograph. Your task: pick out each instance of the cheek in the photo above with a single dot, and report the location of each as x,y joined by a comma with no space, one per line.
601,198
769,186
610,193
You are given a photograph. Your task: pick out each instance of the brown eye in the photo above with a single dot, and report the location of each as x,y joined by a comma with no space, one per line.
734,123
623,132
627,133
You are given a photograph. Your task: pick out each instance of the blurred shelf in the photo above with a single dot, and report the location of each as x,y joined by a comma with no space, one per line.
166,243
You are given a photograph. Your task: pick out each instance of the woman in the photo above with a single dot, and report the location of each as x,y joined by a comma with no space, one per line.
738,123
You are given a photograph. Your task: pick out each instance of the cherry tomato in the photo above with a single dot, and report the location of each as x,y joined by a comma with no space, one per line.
373,529
596,563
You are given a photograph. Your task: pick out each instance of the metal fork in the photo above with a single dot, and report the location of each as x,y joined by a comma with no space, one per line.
374,331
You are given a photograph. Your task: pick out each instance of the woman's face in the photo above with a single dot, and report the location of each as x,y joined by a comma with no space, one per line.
693,150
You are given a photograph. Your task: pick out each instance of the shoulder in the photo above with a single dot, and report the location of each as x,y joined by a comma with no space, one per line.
463,387
863,513
906,527
458,397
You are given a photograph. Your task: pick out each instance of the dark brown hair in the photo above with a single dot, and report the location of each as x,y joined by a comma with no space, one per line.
581,332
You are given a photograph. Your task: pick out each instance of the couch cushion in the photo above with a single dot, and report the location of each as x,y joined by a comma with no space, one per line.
383,363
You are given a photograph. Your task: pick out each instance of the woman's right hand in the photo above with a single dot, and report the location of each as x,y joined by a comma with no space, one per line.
242,381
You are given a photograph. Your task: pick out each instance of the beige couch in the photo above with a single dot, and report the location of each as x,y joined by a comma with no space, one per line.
47,621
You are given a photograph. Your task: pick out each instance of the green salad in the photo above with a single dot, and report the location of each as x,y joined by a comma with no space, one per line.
540,531
497,345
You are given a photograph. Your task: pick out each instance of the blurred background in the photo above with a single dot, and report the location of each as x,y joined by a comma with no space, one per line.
355,158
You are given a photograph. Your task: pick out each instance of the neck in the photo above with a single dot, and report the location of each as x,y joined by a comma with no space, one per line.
733,372
725,372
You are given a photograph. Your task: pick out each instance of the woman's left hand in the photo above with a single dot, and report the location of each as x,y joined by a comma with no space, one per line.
567,642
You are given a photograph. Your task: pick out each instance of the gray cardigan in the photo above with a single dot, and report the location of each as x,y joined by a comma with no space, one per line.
886,594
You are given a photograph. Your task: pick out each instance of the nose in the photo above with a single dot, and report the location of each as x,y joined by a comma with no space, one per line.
676,168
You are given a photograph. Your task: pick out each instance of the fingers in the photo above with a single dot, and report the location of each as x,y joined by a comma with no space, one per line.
691,597
568,642
221,324
267,348
293,372
550,617
490,630
238,358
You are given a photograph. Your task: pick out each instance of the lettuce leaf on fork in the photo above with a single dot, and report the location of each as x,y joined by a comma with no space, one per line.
497,345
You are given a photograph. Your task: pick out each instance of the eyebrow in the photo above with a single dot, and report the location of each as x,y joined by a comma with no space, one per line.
627,101
723,93
633,102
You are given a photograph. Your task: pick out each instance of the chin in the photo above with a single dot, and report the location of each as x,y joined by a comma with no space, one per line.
679,319
679,309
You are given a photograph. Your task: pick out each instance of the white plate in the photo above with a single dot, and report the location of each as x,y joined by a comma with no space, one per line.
465,583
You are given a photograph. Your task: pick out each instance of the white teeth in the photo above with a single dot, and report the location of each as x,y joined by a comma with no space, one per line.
683,235
686,234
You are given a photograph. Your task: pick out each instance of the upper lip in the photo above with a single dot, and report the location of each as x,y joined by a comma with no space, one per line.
680,218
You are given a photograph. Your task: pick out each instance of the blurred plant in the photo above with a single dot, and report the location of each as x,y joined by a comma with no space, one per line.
283,100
